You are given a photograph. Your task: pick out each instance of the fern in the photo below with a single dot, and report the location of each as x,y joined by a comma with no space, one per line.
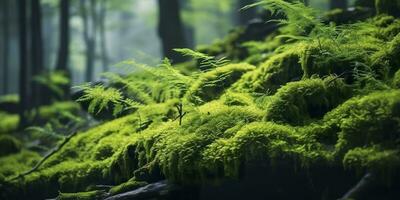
299,18
206,62
100,98
54,81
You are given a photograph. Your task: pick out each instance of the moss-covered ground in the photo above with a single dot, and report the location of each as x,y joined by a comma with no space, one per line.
319,102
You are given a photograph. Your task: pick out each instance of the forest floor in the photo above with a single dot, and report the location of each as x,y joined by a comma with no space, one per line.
308,108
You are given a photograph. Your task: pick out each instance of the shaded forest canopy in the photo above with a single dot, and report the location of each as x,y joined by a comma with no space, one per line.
305,106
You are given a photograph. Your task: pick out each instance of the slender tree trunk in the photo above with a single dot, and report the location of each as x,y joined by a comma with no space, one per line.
6,45
23,71
244,16
88,37
170,29
103,38
37,52
188,25
338,4
63,51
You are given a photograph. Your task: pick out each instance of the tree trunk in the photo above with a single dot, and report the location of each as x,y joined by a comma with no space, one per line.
103,38
37,52
188,26
89,37
63,51
244,16
342,4
6,44
170,29
23,71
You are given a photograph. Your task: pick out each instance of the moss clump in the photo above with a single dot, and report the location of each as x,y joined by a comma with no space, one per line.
382,161
127,186
386,62
272,74
8,122
212,84
9,103
369,120
299,102
14,164
237,99
91,195
9,145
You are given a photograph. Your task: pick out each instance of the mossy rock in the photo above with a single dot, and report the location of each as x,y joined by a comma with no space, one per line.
271,75
299,102
369,120
211,85
340,16
9,145
91,195
14,164
127,186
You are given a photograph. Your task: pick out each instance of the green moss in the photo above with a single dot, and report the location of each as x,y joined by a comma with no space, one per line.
56,109
369,120
396,80
127,186
9,145
384,162
212,84
272,74
386,62
237,99
17,163
91,195
8,122
299,102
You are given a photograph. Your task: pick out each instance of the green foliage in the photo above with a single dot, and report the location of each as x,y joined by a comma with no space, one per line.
9,145
8,122
55,82
211,85
100,98
300,18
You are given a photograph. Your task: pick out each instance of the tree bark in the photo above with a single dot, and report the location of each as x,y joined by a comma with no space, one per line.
23,71
63,51
342,4
89,36
36,52
244,16
6,44
188,26
170,29
103,38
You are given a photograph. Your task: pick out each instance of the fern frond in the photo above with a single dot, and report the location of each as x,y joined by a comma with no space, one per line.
100,97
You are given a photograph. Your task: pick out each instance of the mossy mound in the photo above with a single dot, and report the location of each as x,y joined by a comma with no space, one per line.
8,123
212,84
299,102
275,72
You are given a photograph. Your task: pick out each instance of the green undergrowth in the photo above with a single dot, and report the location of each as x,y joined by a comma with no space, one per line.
327,97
